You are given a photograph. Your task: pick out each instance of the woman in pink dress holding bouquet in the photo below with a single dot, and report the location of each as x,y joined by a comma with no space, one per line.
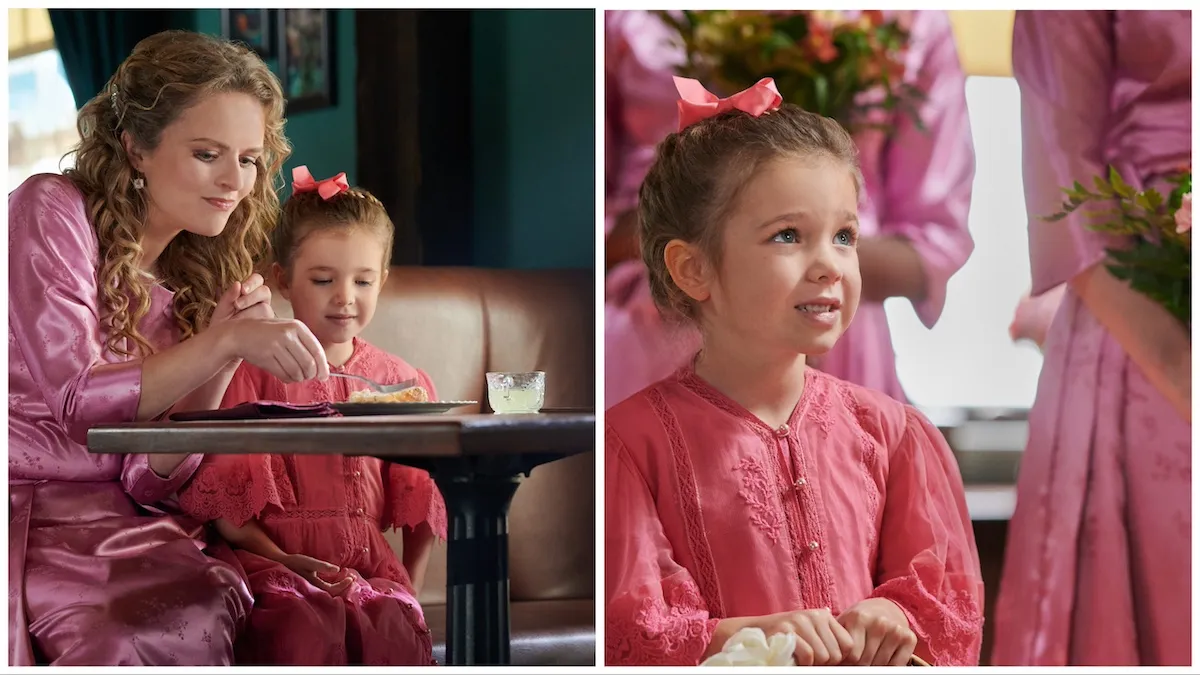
132,295
913,216
1098,565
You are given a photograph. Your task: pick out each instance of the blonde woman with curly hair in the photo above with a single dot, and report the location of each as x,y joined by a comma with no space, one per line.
132,294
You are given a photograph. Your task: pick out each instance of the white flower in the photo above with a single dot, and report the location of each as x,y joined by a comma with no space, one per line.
750,647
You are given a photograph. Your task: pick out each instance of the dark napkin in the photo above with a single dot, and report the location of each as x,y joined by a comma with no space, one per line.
259,410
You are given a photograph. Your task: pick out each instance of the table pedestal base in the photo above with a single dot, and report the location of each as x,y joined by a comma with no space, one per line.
478,631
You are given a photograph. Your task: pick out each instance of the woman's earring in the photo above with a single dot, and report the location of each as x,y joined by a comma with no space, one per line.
139,183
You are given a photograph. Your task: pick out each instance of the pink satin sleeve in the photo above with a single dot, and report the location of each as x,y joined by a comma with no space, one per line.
1062,61
654,614
929,174
928,562
148,488
640,100
52,262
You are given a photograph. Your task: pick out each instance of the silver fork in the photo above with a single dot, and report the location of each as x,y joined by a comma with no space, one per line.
381,388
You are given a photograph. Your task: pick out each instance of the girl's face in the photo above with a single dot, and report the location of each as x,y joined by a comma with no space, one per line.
205,164
788,278
334,282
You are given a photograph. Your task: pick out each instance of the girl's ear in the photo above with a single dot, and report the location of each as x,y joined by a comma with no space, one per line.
689,269
281,280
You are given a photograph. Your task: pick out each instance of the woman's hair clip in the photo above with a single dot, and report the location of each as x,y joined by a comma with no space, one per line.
697,103
302,181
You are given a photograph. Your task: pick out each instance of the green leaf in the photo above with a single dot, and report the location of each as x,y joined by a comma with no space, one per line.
1119,185
821,93
778,40
1149,200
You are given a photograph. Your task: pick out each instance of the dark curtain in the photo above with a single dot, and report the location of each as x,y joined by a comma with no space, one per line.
93,42
415,129
386,123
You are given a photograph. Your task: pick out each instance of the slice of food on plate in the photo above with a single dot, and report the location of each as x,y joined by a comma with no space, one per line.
410,395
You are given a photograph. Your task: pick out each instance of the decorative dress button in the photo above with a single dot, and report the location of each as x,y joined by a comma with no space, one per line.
800,482
358,512
357,474
782,431
366,550
812,545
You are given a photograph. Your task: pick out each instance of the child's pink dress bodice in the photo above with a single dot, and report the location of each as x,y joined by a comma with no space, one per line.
710,514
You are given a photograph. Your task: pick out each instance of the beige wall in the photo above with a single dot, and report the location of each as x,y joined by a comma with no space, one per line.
984,39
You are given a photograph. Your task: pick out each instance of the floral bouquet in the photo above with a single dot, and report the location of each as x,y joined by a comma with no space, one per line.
843,66
1159,262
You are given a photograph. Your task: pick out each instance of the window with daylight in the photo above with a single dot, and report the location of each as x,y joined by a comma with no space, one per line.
41,109
968,360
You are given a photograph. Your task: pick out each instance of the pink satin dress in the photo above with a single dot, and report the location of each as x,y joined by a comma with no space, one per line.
711,514
1098,568
918,187
334,508
98,573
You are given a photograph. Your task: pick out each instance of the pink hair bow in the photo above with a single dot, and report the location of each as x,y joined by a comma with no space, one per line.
302,181
697,103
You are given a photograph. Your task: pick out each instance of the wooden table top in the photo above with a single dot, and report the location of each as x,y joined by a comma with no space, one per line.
426,436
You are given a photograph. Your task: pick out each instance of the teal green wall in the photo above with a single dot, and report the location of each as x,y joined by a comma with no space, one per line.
534,93
323,139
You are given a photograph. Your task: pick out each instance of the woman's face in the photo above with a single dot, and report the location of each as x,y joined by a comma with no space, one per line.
205,164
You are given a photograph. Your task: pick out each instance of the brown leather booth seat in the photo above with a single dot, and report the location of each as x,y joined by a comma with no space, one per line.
458,324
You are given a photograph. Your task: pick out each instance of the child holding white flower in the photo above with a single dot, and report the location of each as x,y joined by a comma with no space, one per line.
750,490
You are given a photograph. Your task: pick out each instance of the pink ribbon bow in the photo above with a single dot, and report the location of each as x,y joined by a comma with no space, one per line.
302,181
697,103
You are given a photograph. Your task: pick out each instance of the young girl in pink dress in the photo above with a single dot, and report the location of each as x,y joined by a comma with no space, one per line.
912,215
748,489
1098,565
308,529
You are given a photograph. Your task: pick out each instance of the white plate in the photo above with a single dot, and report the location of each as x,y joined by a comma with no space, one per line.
405,408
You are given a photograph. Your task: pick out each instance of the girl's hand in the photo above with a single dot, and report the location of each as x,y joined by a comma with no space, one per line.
286,348
822,641
880,632
312,570
250,299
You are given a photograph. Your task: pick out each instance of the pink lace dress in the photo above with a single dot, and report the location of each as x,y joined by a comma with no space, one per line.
331,507
710,514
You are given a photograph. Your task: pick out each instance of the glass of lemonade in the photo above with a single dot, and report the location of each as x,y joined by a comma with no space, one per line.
511,393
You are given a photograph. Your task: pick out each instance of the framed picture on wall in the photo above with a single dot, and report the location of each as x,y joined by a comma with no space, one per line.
306,58
254,27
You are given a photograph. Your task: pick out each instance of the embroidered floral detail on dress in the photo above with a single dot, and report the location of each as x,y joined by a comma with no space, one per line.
414,499
662,630
950,627
238,488
867,461
820,410
758,493
689,496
